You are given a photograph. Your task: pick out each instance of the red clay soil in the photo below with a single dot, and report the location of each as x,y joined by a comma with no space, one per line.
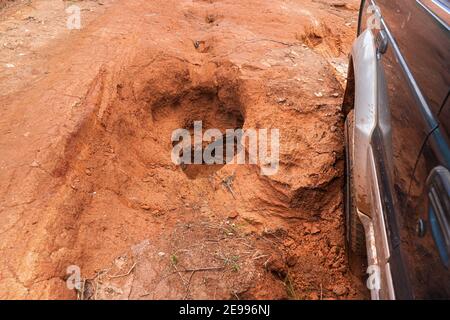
86,176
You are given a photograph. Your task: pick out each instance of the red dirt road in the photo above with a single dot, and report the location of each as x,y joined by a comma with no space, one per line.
86,177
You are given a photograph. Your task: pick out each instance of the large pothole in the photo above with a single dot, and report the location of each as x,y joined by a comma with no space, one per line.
189,110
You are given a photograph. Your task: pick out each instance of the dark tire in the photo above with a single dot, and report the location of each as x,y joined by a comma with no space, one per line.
355,235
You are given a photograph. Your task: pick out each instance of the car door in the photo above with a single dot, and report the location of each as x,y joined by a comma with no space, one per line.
412,85
430,202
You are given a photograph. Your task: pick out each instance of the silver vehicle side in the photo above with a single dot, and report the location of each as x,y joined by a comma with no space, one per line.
397,141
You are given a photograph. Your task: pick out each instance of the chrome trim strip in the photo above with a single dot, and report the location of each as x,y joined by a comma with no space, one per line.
380,231
390,283
372,257
377,209
419,97
442,5
432,14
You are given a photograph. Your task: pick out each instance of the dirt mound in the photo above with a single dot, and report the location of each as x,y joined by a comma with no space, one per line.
103,193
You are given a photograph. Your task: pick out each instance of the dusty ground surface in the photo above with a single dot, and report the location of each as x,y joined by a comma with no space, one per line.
86,176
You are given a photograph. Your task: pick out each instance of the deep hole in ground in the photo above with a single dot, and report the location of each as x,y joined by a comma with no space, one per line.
197,105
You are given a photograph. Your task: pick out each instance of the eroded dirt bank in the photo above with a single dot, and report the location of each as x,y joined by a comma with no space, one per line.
86,176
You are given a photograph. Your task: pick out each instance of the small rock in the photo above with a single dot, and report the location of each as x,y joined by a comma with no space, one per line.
233,215
289,243
157,213
340,290
333,129
307,227
318,94
281,100
336,95
145,206
35,164
161,254
291,261
277,267
88,172
315,230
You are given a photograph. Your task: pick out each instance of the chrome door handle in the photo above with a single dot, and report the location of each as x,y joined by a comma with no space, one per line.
382,42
